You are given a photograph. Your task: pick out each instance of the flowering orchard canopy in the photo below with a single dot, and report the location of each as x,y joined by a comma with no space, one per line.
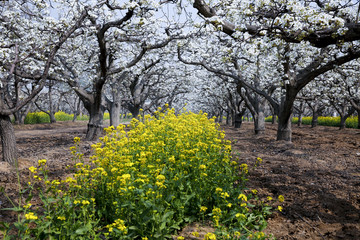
320,22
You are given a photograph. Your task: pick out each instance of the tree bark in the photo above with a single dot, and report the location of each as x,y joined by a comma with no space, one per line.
343,118
259,123
314,121
238,120
96,112
220,117
8,141
115,109
227,118
76,112
51,107
285,112
95,125
284,128
273,120
300,115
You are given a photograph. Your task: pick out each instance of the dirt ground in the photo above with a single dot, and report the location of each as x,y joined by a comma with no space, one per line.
318,173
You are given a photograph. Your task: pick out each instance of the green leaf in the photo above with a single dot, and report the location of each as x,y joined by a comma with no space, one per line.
15,209
167,215
20,226
84,229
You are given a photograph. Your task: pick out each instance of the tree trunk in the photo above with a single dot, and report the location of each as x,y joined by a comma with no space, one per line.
300,115
115,109
135,111
51,107
345,116
273,120
285,112
8,141
259,123
227,118
95,125
284,129
238,120
314,121
52,117
358,115
220,117
16,118
300,120
233,116
77,110
342,121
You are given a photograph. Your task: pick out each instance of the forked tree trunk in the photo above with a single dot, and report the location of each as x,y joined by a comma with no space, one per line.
239,118
345,115
8,141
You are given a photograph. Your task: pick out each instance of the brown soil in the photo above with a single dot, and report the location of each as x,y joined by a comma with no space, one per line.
318,173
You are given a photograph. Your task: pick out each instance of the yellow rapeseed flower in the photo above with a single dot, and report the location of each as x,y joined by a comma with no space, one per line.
33,169
218,189
203,209
27,206
242,197
195,234
30,216
281,198
42,162
202,167
210,236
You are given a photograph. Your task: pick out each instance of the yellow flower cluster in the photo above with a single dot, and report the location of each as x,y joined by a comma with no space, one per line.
30,216
216,215
118,224
210,236
160,158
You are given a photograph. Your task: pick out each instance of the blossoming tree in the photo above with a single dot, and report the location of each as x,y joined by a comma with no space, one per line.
30,40
327,31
